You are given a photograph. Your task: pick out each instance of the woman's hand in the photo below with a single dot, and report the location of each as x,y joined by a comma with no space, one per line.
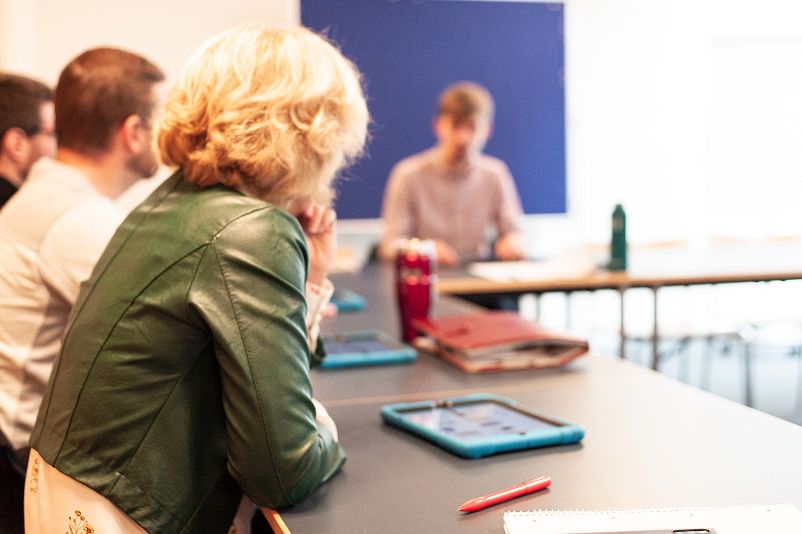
319,224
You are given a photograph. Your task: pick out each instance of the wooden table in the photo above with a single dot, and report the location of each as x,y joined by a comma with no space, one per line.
654,268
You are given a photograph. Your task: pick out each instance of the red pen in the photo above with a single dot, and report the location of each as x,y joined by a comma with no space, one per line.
524,488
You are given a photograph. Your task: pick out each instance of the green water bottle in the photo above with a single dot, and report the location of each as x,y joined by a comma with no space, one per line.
618,240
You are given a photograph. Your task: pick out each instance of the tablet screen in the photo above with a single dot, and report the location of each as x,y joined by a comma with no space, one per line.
474,420
339,345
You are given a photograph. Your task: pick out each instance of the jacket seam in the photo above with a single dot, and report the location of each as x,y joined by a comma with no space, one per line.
76,310
250,368
166,400
114,326
103,345
121,475
203,500
142,218
192,282
210,241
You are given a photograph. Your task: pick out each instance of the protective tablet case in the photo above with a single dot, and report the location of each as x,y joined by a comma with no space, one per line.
562,435
355,349
348,301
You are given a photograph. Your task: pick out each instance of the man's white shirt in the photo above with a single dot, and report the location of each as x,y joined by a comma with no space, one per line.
52,232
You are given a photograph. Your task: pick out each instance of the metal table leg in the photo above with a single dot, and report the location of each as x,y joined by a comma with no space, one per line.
747,355
655,332
622,350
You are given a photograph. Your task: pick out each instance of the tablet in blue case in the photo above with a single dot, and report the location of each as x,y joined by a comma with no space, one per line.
367,347
347,301
481,425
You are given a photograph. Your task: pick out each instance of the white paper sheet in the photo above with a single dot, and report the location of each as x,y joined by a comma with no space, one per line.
576,263
757,519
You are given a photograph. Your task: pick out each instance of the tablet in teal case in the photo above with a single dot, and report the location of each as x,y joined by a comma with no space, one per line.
367,347
347,301
481,425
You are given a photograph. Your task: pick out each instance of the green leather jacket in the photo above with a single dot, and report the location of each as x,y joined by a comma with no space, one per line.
183,380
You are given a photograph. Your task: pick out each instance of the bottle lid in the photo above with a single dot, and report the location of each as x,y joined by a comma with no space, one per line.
422,247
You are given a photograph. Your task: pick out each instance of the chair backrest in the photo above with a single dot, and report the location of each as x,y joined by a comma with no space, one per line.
12,489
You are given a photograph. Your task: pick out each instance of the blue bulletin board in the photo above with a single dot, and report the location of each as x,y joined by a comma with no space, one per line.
410,50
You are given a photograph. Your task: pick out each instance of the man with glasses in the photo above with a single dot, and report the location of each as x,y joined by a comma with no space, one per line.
26,129
53,230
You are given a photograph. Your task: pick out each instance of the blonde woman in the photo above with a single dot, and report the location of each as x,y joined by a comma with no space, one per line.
183,382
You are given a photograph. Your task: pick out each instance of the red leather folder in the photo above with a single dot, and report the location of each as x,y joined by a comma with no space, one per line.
498,340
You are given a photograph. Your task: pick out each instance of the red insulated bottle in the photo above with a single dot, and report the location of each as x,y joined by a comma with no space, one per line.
415,272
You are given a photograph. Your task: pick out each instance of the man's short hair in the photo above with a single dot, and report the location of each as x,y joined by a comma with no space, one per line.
21,99
97,91
465,100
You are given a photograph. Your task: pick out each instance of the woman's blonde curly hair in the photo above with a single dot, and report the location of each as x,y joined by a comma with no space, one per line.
272,112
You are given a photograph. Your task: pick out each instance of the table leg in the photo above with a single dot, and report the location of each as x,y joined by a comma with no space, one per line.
622,349
798,404
655,332
748,374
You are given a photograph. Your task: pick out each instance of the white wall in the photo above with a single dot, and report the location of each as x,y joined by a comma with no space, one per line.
40,36
687,111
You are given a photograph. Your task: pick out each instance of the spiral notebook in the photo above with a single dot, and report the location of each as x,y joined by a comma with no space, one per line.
756,519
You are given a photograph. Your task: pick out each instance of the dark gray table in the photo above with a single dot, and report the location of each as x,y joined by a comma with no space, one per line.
429,375
376,283
650,442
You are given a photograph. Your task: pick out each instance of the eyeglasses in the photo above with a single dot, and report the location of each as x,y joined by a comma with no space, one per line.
48,132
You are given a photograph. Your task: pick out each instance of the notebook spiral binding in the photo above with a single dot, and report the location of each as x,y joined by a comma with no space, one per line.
606,512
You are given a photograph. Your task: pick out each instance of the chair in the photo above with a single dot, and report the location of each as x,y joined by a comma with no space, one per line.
777,337
691,318
12,482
